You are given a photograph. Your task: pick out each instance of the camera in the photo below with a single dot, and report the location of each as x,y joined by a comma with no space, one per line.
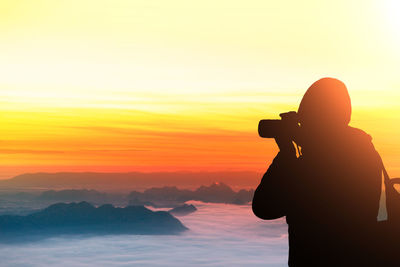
287,126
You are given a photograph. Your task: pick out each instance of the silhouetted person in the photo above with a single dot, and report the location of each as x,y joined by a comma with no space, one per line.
330,193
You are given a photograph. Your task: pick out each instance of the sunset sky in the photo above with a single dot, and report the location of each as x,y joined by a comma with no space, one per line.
168,85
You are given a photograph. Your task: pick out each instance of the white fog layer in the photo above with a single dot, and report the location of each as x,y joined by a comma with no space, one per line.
219,235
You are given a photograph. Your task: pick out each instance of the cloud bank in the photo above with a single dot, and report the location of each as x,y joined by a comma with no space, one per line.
219,235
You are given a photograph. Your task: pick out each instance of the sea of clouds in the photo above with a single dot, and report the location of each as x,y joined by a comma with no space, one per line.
219,235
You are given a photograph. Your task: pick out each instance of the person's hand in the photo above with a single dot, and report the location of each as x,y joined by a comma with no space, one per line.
285,141
285,145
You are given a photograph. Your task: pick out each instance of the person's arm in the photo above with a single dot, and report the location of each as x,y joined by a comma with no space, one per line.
270,199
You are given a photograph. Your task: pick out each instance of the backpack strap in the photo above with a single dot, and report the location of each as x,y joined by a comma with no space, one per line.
386,177
392,197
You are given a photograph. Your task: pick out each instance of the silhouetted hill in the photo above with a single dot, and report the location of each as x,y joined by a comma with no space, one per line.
183,210
172,196
125,181
84,218
70,195
216,193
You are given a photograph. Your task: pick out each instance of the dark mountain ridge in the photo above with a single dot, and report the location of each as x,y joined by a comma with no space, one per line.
73,195
171,196
183,210
84,218
126,181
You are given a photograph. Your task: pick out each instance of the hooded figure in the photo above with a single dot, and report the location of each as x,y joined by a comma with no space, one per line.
330,191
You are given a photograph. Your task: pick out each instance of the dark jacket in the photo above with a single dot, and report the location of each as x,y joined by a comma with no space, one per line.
330,197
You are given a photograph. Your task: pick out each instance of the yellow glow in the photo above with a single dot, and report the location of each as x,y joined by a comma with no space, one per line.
392,8
81,78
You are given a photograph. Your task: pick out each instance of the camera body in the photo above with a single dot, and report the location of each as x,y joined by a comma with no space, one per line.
287,126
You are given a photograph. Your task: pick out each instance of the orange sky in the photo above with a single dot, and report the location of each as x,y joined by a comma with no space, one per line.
167,85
